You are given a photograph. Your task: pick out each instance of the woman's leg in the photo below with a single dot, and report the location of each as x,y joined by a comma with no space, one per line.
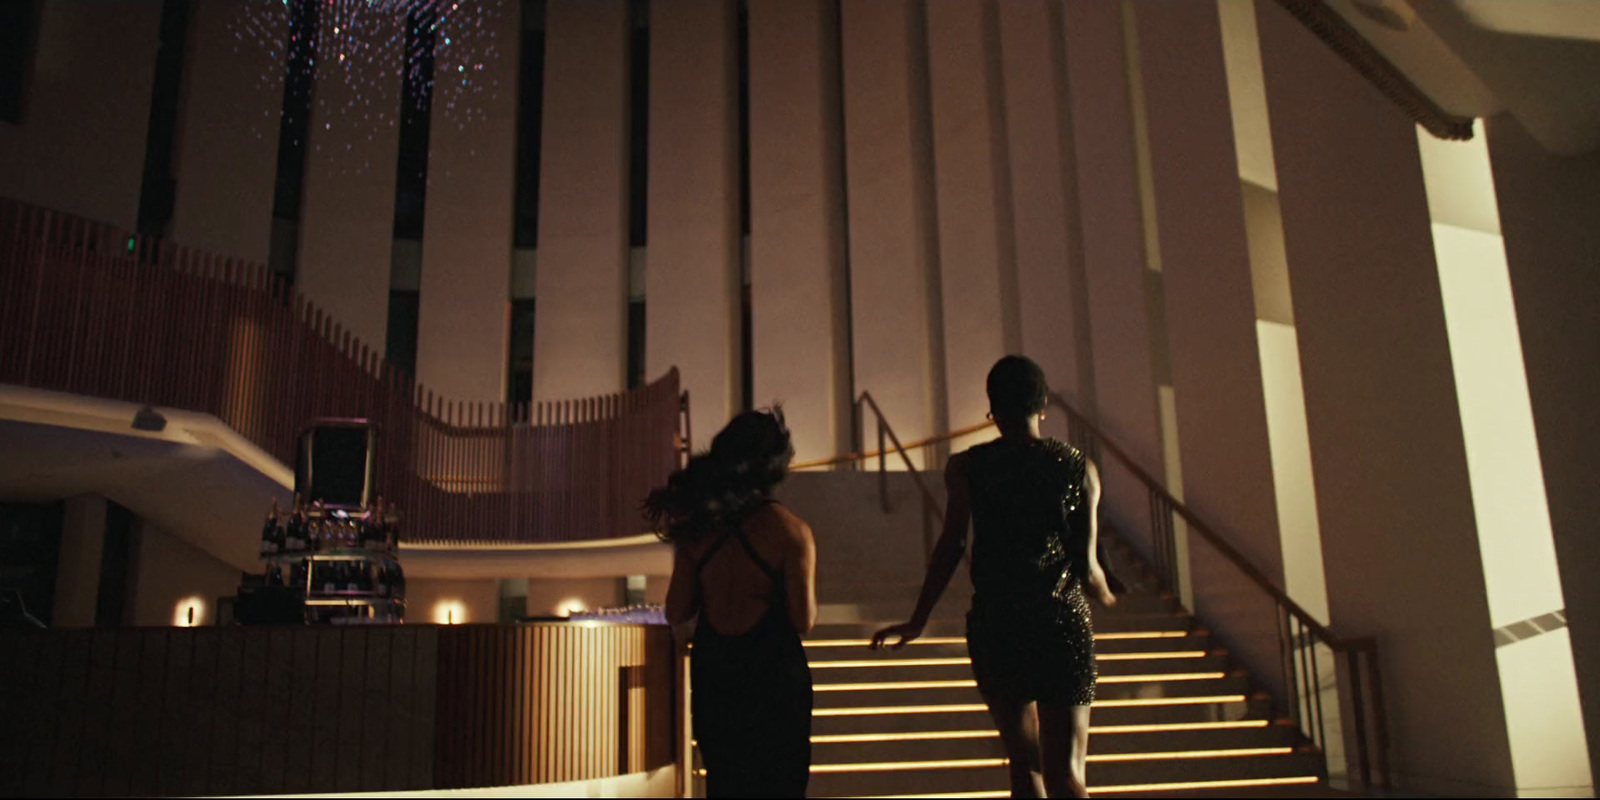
1018,723
1064,742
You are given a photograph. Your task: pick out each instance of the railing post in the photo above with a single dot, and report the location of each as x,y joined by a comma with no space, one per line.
883,469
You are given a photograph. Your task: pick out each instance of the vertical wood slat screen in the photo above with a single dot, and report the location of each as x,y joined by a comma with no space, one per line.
219,711
95,311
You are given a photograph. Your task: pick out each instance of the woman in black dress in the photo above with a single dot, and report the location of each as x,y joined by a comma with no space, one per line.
1032,504
746,567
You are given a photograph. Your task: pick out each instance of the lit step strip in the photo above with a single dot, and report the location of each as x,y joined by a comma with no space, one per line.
1301,780
962,684
1099,637
1153,727
981,763
956,661
950,708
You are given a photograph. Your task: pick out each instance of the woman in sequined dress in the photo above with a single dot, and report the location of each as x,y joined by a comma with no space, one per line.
1032,504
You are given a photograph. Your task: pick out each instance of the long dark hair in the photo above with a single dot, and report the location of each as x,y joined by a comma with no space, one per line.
747,459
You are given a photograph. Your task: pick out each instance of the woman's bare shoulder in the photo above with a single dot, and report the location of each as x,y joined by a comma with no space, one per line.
780,519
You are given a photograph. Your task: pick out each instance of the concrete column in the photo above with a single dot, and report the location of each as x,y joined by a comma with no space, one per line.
170,577
83,536
1210,318
692,262
1390,466
226,150
977,251
799,325
1103,160
894,270
580,343
80,145
1547,206
347,213
462,325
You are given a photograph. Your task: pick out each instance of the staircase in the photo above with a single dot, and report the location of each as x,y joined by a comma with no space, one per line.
1173,713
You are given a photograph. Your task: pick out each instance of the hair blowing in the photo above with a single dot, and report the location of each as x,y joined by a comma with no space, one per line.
747,459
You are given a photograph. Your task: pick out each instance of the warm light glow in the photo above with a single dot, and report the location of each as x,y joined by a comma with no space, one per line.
897,662
570,606
1239,752
865,642
1151,656
1108,637
450,612
1170,701
915,736
866,711
1173,787
895,766
864,687
1177,676
1160,727
189,613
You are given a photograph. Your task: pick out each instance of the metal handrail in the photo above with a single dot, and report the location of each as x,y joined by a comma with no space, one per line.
1295,624
864,455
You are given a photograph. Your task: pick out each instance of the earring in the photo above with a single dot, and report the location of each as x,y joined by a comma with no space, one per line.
989,416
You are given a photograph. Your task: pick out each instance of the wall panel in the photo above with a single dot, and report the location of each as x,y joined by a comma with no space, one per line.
462,324
692,261
799,290
579,341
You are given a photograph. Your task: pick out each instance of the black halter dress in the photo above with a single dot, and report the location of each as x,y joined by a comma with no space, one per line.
1029,632
751,697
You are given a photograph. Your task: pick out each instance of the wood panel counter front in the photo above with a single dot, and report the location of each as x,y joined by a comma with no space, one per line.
274,710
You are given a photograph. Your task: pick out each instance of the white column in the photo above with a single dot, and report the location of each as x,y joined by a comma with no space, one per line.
580,326
799,290
225,152
977,254
692,261
1210,318
462,327
1393,489
83,535
1107,194
892,243
80,145
347,213
1547,208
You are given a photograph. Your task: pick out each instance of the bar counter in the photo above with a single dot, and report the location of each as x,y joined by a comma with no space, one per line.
279,710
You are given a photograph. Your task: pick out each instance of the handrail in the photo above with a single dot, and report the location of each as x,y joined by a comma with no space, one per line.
864,455
1295,625
99,311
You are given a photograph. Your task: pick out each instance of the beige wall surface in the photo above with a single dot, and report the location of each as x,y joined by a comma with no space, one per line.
428,600
798,291
1393,492
1210,318
80,145
83,535
1548,207
225,154
692,267
893,247
1112,243
977,249
580,330
169,575
347,212
462,324
557,597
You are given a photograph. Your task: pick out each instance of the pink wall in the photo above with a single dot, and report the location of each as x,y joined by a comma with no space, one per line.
225,153
799,296
580,346
1548,207
692,268
892,237
462,324
347,213
80,145
1394,501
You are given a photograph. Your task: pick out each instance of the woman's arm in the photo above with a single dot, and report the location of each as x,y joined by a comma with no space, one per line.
683,602
1096,572
945,559
800,575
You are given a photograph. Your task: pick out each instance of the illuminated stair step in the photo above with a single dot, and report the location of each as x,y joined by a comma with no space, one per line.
879,746
1148,787
969,682
1109,694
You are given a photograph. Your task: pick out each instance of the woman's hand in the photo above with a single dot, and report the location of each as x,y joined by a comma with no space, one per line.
1100,586
907,631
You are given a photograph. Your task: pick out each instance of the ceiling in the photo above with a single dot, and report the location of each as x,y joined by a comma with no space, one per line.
1539,60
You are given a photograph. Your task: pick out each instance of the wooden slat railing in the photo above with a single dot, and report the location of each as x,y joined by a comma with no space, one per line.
93,310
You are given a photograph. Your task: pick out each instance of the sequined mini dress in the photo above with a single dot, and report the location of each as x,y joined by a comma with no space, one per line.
1029,633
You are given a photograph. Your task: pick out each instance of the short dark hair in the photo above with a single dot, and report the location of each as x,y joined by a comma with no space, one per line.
1016,388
